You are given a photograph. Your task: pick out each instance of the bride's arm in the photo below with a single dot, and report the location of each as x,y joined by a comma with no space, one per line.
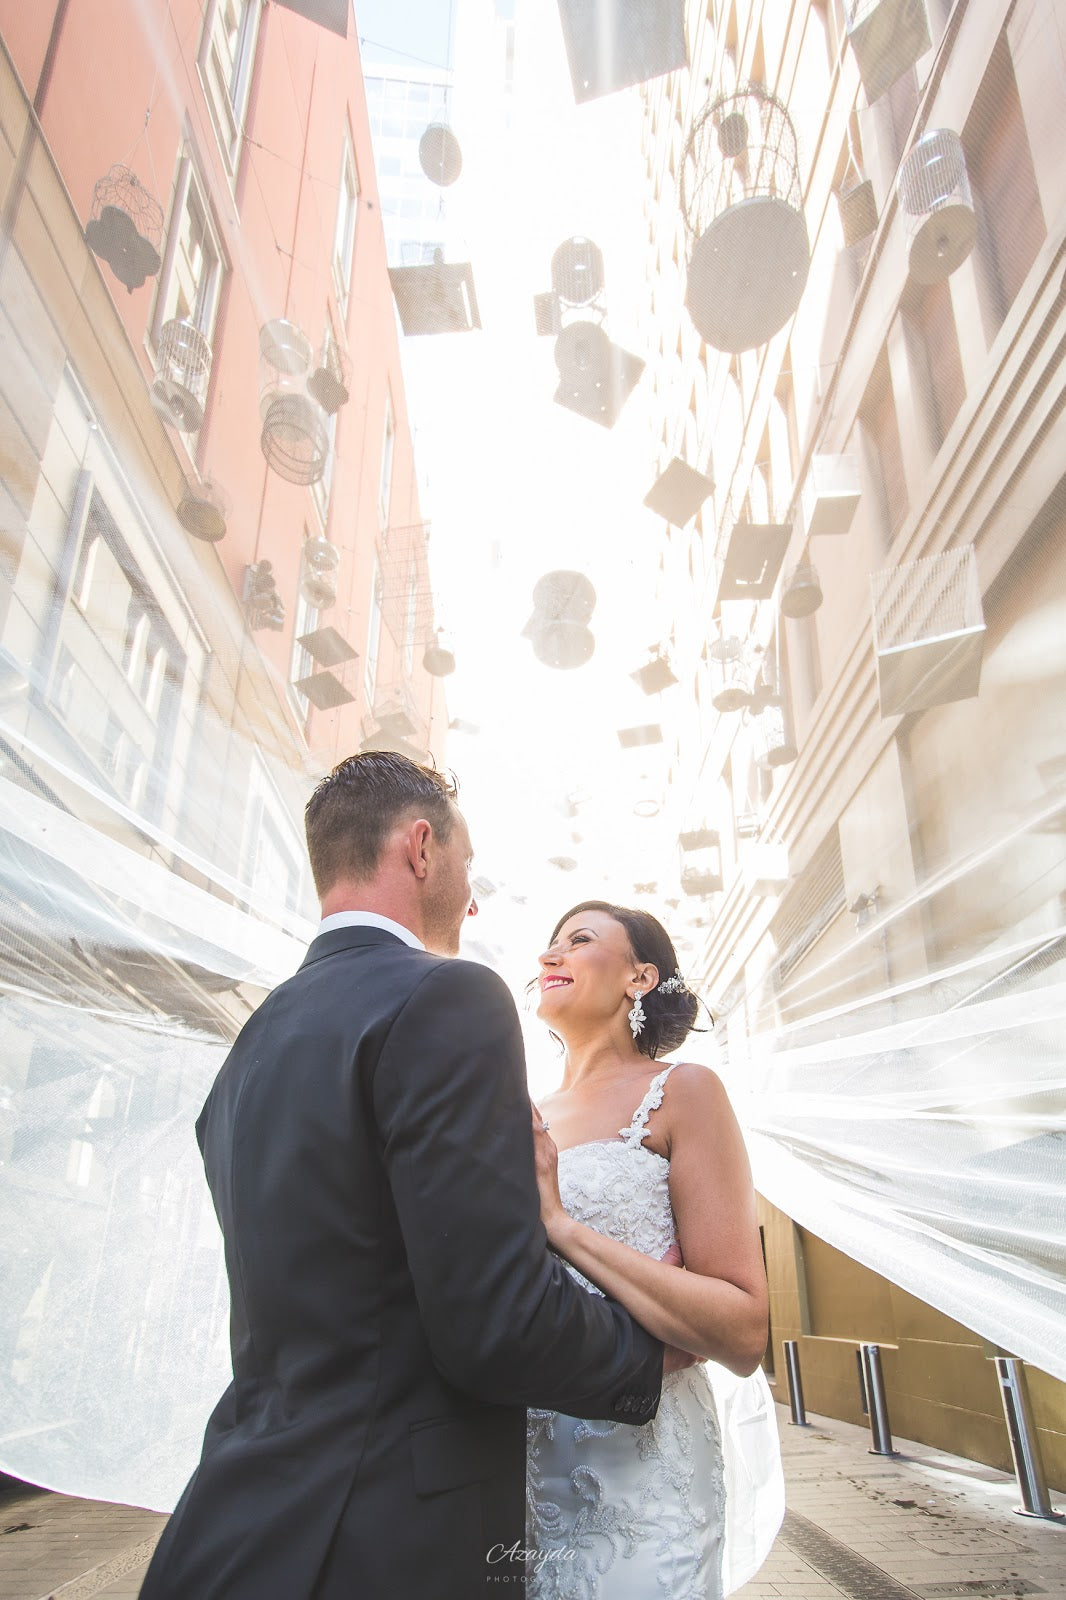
718,1307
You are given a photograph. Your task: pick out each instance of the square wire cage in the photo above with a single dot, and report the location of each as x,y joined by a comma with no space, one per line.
929,631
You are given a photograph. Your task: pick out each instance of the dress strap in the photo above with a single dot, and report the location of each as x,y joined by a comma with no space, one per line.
634,1134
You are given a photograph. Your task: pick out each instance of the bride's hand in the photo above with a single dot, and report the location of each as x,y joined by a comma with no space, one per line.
547,1163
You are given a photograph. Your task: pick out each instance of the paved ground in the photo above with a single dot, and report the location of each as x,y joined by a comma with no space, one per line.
859,1526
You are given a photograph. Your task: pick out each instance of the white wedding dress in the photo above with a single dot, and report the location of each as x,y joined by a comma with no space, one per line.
684,1507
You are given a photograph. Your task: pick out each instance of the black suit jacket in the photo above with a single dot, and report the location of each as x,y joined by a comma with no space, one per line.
395,1307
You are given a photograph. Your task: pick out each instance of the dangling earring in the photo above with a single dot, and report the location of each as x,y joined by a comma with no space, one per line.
636,1017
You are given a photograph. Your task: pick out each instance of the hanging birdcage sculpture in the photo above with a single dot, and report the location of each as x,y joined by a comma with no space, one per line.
440,155
934,195
319,561
330,380
732,674
437,659
202,510
295,434
887,38
125,227
179,391
775,745
802,593
742,203
578,276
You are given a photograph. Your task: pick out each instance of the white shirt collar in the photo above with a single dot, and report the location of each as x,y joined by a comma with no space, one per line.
370,919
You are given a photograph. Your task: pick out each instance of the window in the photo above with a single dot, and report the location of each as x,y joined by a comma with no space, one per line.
192,275
119,668
373,635
387,447
1010,221
344,234
302,663
227,54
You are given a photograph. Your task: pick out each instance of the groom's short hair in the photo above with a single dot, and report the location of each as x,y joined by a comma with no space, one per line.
355,807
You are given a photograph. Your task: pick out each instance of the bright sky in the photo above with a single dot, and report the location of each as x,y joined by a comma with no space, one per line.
520,487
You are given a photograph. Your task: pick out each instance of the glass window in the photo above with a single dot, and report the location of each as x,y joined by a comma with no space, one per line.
344,234
226,58
193,271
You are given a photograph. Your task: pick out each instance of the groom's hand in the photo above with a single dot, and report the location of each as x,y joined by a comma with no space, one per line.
676,1360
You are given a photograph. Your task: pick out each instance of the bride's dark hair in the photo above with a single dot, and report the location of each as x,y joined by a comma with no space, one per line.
669,1018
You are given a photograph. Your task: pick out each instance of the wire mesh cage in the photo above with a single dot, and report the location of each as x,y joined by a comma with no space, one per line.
577,271
732,674
440,155
125,227
295,435
179,391
741,199
319,561
802,592
437,658
295,439
774,744
887,37
329,383
929,631
202,510
934,194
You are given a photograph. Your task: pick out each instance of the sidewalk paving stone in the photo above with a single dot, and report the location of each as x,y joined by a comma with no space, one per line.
923,1525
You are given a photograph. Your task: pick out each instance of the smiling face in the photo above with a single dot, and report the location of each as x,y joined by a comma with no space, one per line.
589,974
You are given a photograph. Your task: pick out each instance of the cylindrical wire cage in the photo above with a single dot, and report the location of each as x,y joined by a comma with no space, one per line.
742,203
179,392
774,745
732,677
295,439
934,195
202,510
577,271
125,227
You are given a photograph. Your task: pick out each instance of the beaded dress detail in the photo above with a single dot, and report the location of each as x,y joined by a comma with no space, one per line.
613,1511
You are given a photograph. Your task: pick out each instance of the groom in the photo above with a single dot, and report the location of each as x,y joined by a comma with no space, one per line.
395,1307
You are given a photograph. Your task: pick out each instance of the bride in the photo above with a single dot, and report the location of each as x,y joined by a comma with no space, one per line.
644,1169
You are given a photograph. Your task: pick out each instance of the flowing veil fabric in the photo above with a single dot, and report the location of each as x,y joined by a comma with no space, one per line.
754,1481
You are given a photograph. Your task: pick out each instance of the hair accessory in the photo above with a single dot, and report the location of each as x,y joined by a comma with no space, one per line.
636,1017
674,985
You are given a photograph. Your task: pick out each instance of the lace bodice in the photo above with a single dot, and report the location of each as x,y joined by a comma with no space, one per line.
619,1186
633,1513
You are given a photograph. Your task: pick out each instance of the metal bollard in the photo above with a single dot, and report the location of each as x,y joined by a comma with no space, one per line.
880,1431
1024,1442
795,1384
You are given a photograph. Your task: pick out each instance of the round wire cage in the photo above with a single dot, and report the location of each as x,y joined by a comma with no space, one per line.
440,155
775,745
179,391
732,675
437,659
802,593
319,561
125,227
742,202
295,438
934,194
577,271
202,510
